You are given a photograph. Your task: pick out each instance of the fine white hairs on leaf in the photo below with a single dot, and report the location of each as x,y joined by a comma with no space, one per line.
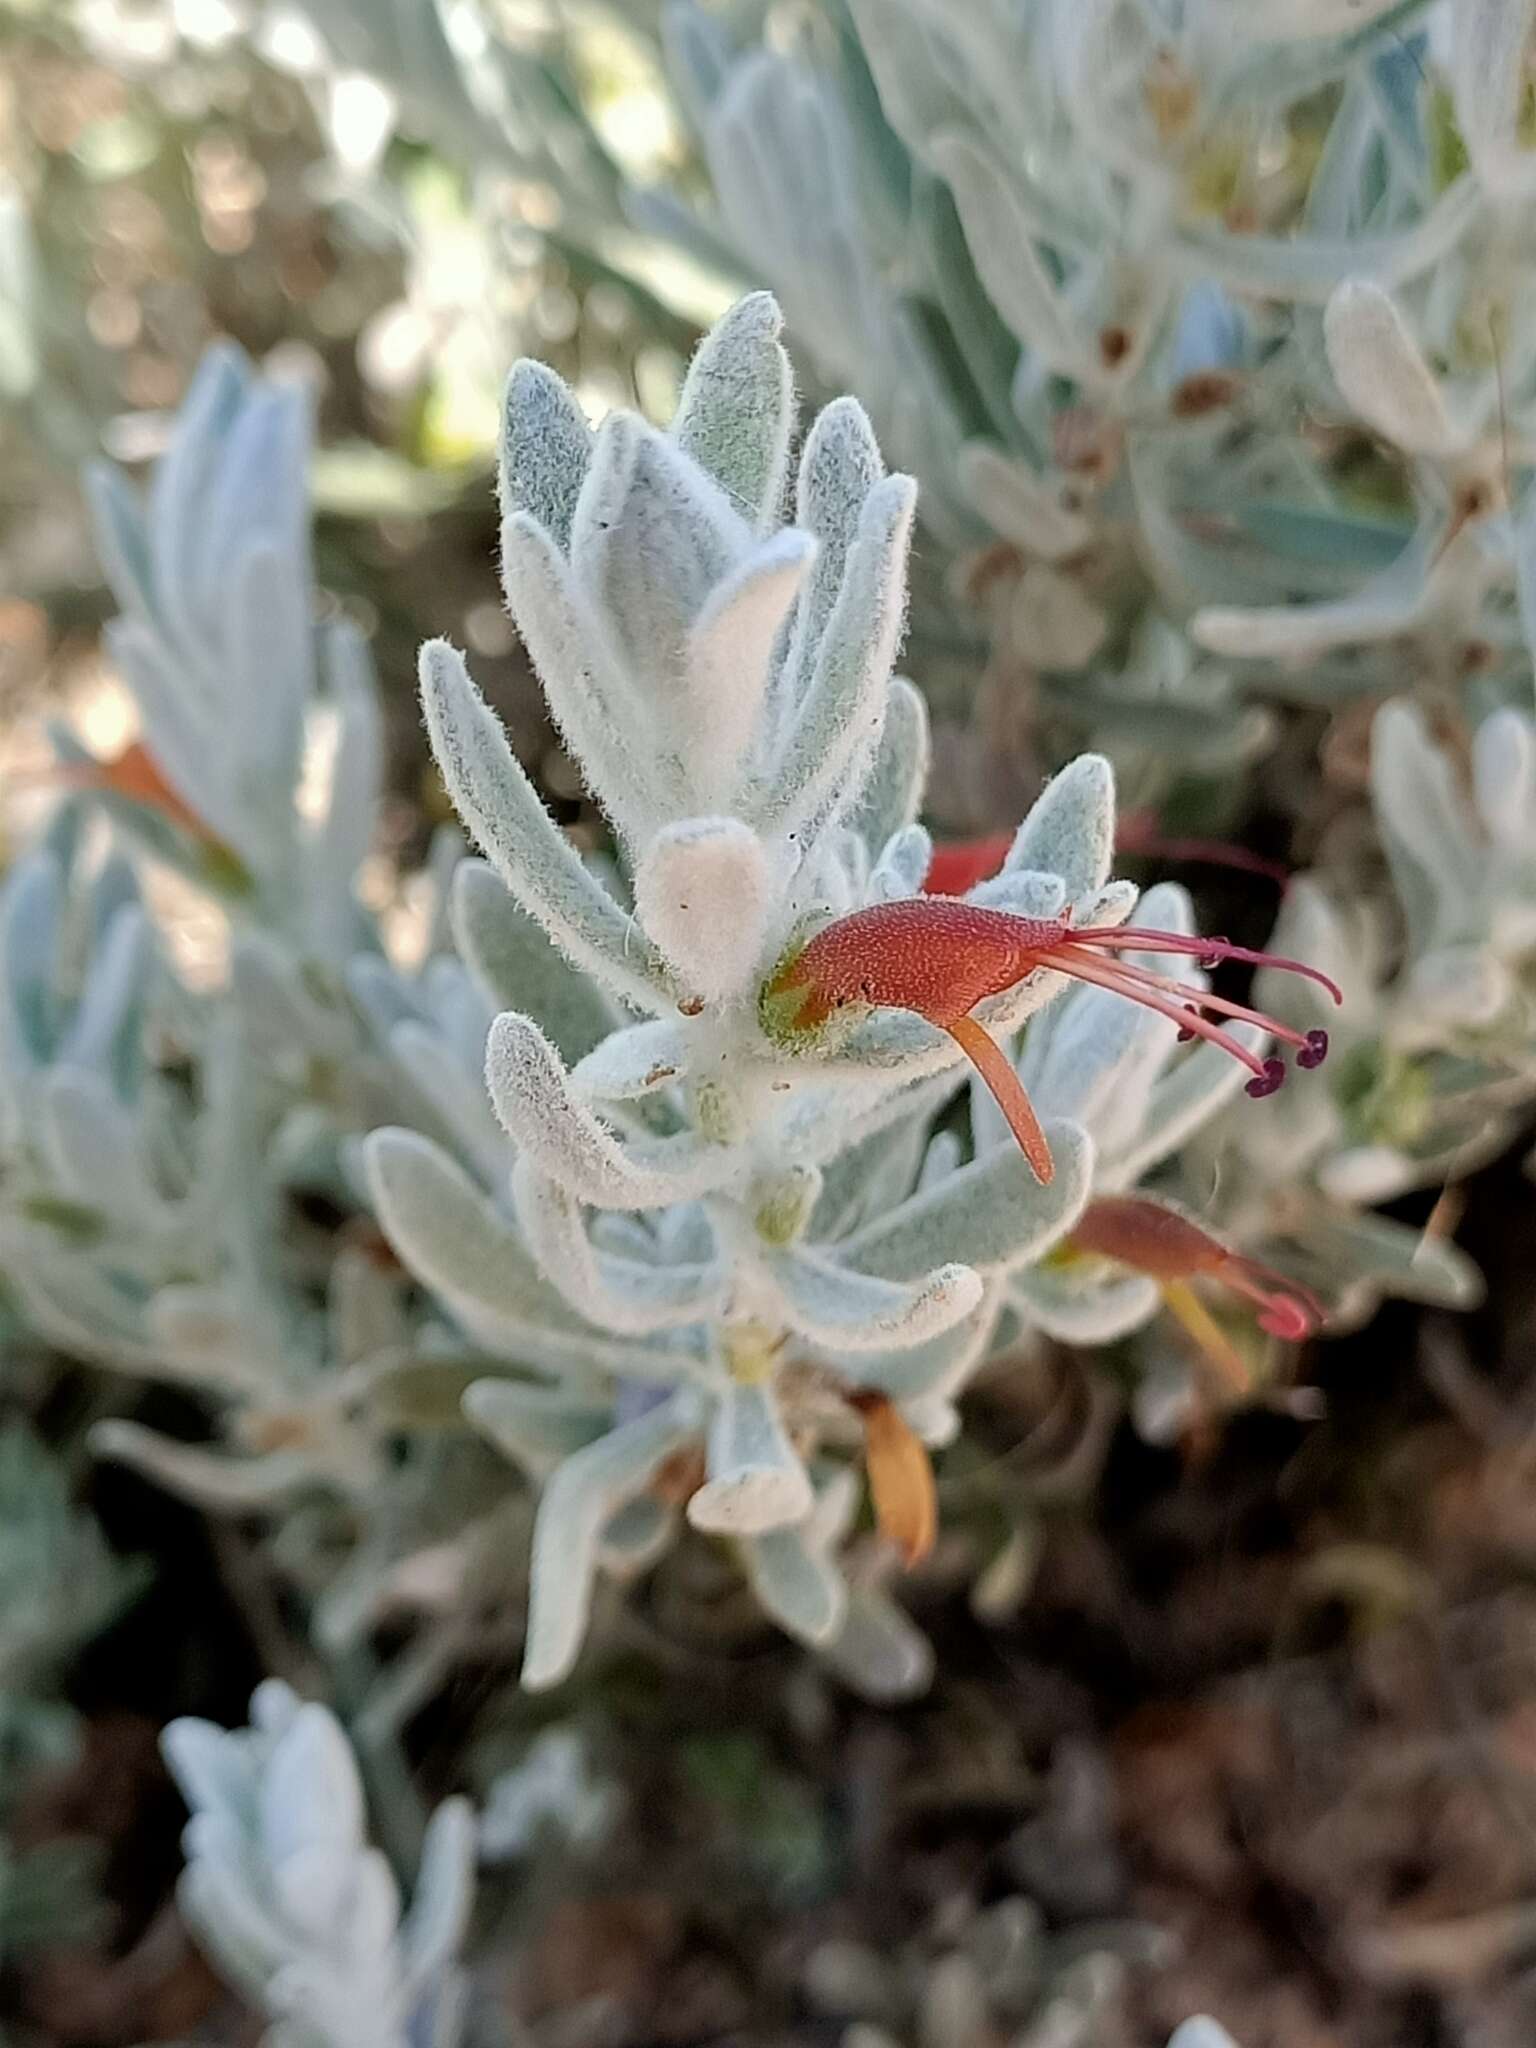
703,891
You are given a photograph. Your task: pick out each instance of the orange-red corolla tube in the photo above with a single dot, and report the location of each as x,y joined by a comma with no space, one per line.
1171,1247
940,957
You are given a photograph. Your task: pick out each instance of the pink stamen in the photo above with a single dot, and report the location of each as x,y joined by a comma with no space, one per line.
1209,952
1181,1014
1201,999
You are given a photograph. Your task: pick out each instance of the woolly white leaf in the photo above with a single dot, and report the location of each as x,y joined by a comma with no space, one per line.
534,1100
1070,829
581,1496
878,1651
737,407
521,969
798,1584
1379,368
893,795
703,892
1019,505
450,1235
652,537
1001,238
544,872
834,1305
756,1480
1085,1307
545,447
633,1063
728,658
615,1293
903,863
993,1212
536,1427
839,466
1491,43
213,1479
836,731
1504,775
595,714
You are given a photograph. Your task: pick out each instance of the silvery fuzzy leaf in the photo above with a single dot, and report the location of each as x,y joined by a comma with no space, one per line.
1388,604
1185,1097
839,1307
81,1308
878,1651
179,490
538,1110
737,408
1436,862
903,863
893,795
1070,829
1306,268
1001,237
1019,505
1200,2032
225,1483
636,1537
1313,928
755,1478
1377,1251
583,679
122,543
928,1373
181,730
310,1793
520,968
536,1427
270,670
797,1582
577,1501
704,892
1490,57
345,835
450,1235
1504,778
628,1296
212,1772
92,1148
865,1178
1055,620
433,1931
835,732
543,871
652,536
31,907
993,1214
839,466
545,447
107,1016
454,1092
728,662
244,1938
633,1062
1084,1307
1465,987
1382,373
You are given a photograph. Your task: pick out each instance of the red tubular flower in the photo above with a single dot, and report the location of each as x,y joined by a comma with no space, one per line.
1170,1248
940,957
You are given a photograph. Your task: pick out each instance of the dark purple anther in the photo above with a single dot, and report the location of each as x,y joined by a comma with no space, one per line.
1267,1082
1315,1051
